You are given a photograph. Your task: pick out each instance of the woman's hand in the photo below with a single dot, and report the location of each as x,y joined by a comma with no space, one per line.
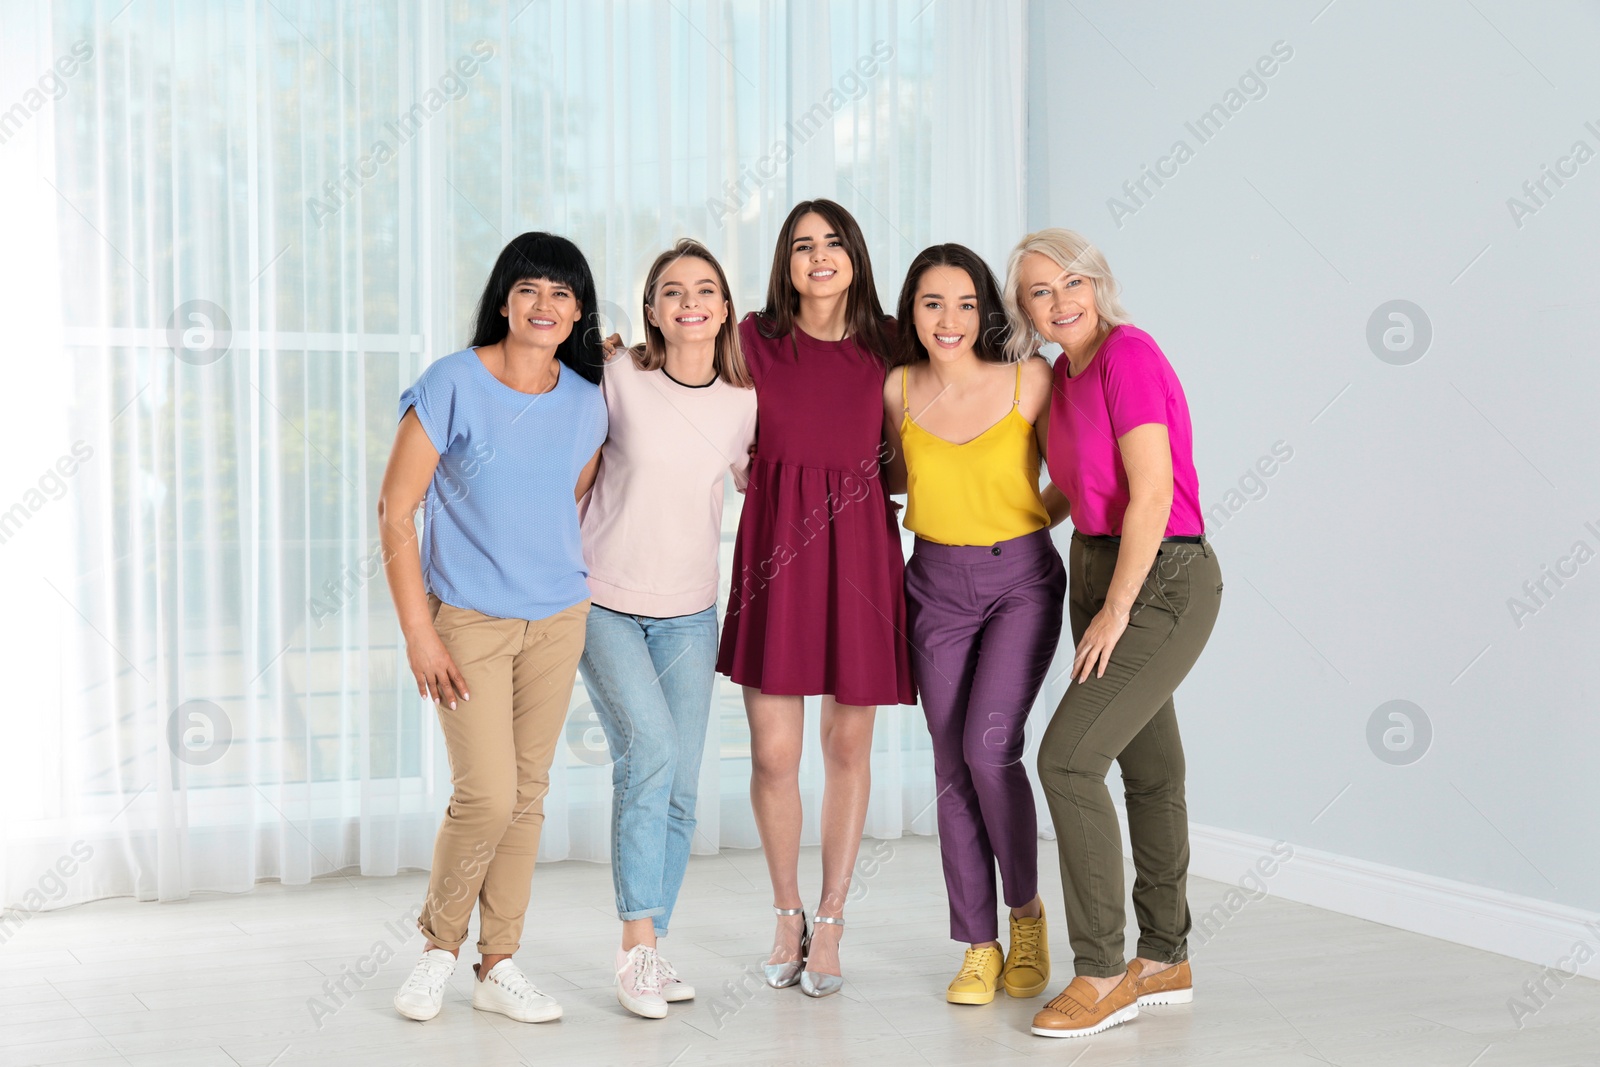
436,673
1147,457
1104,631
612,345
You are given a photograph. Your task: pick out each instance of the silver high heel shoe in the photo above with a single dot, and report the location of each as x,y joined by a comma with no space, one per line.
784,975
815,983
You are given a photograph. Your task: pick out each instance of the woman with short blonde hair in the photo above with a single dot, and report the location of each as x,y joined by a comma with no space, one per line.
1143,595
1071,252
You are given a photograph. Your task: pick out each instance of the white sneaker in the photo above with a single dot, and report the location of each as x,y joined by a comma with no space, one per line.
423,994
673,988
507,990
639,982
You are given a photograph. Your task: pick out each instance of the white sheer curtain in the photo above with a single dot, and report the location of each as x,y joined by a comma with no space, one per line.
247,227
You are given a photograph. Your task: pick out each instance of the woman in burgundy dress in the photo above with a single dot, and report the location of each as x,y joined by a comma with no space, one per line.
817,604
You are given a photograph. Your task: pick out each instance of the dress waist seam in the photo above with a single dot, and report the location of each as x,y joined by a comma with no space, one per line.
810,467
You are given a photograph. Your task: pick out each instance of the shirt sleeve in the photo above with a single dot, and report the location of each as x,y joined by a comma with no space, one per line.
434,398
1136,391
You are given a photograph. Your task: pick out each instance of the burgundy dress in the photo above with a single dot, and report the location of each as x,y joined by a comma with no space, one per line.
817,600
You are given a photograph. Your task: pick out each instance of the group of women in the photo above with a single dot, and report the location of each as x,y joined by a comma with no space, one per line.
574,494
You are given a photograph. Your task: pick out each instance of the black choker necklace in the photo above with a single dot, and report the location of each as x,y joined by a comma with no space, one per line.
686,385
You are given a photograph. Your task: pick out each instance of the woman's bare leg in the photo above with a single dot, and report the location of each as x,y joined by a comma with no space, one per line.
776,729
847,760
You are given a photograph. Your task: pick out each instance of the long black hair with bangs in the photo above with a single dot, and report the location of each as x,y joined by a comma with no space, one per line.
551,258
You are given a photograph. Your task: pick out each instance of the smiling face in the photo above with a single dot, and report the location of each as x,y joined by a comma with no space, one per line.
819,266
540,312
945,313
688,304
1059,303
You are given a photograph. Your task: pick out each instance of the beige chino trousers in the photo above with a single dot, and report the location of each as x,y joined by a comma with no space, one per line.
500,742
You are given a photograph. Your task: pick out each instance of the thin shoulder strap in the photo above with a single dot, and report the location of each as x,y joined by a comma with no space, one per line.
905,401
1016,396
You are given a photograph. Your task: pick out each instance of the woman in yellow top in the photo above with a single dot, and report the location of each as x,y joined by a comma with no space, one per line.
984,593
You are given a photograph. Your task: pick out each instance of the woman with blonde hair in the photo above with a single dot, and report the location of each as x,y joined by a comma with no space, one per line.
1144,592
682,414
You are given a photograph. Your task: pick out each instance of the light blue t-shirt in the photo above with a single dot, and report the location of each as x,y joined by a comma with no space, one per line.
500,526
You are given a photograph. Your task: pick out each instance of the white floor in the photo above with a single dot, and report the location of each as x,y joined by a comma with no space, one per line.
237,982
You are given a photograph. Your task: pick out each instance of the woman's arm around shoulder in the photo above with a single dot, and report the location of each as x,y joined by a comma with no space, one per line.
1038,379
600,431
1037,382
894,462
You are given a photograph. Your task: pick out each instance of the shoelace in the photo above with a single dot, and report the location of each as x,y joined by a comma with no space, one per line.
972,965
665,971
646,969
1025,944
513,981
430,977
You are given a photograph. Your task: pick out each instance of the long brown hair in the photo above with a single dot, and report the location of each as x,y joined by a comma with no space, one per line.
993,330
864,318
728,359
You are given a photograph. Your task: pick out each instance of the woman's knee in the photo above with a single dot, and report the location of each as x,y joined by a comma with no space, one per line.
645,764
1051,762
1058,764
774,762
846,749
994,752
1153,787
487,809
682,816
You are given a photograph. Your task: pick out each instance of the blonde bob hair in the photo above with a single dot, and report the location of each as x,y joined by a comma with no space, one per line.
728,361
1073,253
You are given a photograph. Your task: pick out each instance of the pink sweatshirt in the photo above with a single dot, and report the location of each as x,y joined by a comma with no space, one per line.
652,524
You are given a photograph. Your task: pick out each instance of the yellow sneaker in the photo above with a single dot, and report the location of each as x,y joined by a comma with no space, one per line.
975,982
1027,969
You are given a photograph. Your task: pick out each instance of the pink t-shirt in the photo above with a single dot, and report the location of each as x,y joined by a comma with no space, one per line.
1128,383
652,524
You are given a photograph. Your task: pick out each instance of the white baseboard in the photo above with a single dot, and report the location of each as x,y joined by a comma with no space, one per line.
1523,928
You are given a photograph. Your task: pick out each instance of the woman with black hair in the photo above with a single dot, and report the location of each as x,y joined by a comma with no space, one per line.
816,605
984,589
500,440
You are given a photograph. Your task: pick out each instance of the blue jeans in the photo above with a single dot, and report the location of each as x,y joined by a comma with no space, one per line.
650,682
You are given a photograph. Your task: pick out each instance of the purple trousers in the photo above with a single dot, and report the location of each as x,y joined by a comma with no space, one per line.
984,623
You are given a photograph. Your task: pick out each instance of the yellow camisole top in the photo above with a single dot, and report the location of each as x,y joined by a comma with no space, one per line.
979,492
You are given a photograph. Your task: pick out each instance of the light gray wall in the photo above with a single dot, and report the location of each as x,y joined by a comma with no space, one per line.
1380,561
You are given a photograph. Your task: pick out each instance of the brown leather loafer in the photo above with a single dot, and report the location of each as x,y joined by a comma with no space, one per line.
1175,985
1075,1013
